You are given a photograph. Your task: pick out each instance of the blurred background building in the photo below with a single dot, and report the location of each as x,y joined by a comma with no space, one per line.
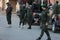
15,3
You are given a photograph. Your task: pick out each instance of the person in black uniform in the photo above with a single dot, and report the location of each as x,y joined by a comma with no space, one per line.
8,13
29,16
44,20
23,12
56,9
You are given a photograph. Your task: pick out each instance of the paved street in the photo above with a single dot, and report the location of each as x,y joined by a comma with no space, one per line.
16,33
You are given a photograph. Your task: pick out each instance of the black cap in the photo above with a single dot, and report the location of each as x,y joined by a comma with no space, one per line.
57,2
44,5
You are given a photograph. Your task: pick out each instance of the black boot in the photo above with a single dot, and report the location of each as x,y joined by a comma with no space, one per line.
38,38
29,27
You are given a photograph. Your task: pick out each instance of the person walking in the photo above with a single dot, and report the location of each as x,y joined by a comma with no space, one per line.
44,21
23,12
29,16
9,13
55,9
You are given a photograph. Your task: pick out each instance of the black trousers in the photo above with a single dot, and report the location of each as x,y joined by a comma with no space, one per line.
29,21
22,20
8,16
44,30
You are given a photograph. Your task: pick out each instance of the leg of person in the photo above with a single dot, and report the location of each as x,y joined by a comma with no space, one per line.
42,32
23,21
48,35
29,26
20,21
9,19
57,16
29,23
20,24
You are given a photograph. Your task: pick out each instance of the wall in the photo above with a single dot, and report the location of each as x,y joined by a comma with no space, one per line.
13,3
52,1
0,4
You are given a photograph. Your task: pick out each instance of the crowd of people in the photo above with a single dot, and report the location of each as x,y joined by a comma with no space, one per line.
26,16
